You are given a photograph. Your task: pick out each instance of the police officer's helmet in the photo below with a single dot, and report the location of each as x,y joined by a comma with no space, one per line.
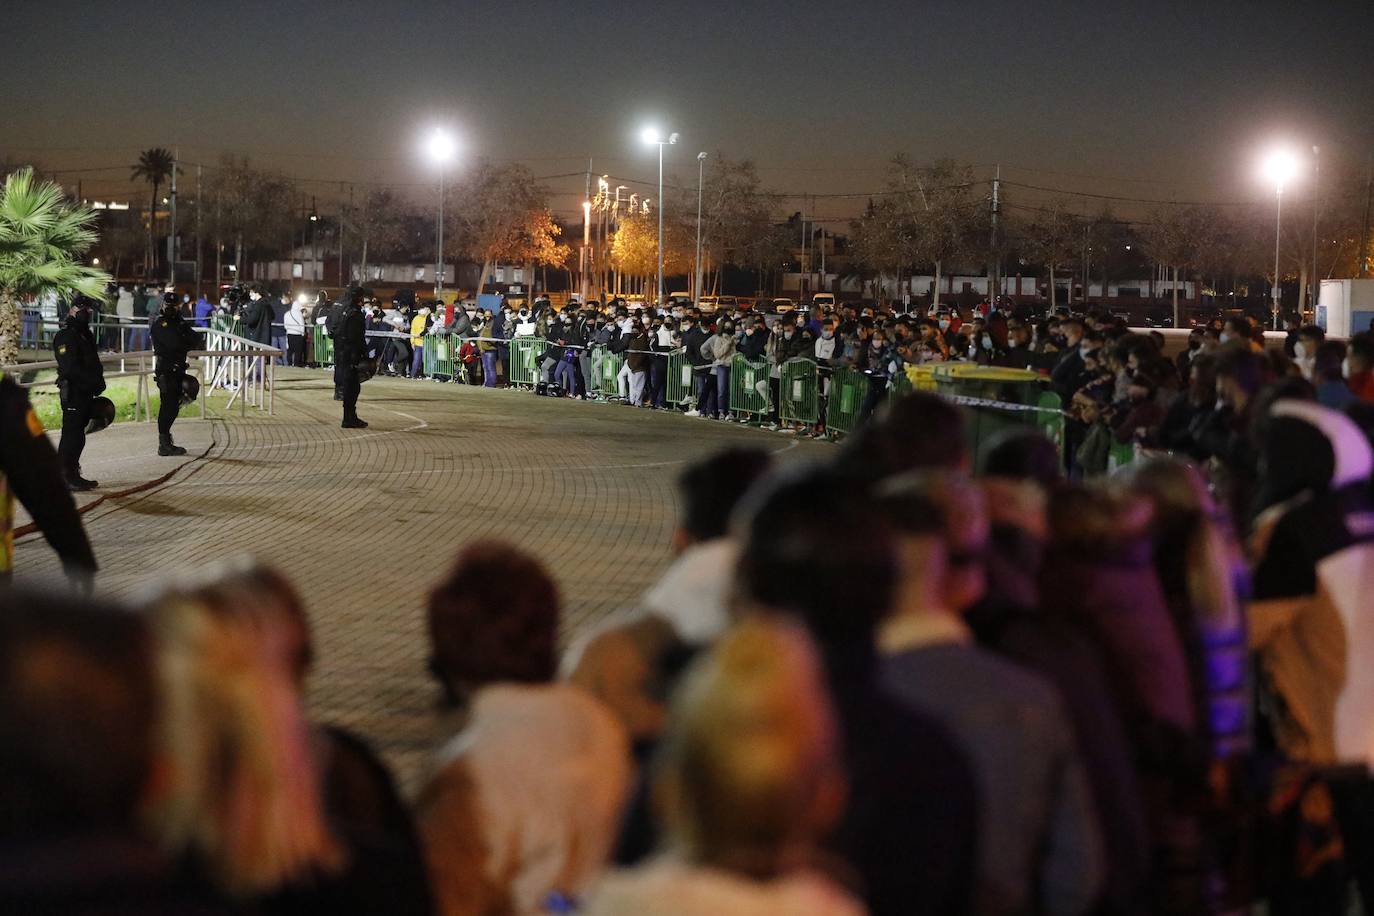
102,415
190,389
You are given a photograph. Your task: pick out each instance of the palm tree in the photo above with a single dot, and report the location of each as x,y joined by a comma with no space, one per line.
42,237
154,166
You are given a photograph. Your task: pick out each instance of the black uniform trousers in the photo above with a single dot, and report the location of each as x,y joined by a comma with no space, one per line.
169,387
347,383
76,413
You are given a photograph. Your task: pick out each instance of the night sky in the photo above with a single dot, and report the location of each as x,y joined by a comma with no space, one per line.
1147,99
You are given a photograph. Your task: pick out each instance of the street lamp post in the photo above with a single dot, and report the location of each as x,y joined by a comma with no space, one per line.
651,135
701,185
1279,168
440,148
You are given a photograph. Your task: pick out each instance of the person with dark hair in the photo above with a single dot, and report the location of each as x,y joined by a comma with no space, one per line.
1224,434
1359,365
1023,454
920,431
173,340
814,552
523,808
624,664
1040,843
78,711
1328,376
350,349
80,380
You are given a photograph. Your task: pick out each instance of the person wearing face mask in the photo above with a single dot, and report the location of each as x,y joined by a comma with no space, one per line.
1305,344
715,398
754,343
80,380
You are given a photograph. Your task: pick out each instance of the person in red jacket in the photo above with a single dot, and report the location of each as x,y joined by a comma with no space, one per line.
1360,362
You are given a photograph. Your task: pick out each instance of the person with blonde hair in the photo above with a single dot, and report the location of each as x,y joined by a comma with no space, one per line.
243,795
747,782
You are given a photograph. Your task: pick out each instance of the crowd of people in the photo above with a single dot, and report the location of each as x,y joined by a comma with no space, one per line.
891,683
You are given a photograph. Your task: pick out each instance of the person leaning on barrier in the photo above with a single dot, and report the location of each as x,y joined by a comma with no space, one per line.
173,339
29,470
349,350
80,379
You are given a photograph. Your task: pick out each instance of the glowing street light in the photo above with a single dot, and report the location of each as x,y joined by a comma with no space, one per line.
651,136
440,147
1279,167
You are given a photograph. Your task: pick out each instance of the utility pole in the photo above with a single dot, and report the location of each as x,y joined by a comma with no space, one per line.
996,271
701,186
199,171
1364,235
586,233
1316,186
342,215
172,235
314,248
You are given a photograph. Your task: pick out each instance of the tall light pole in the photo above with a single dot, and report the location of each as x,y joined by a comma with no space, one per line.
440,148
701,186
314,250
1279,167
1316,186
652,136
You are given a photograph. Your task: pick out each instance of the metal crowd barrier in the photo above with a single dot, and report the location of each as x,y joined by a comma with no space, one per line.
748,389
523,366
848,387
679,386
799,391
439,356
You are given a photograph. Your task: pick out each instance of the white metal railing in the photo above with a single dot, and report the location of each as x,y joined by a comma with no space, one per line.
244,367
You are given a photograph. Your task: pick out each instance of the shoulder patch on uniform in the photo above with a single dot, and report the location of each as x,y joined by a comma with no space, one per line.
62,348
34,424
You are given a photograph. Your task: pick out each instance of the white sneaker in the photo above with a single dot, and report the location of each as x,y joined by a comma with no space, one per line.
692,413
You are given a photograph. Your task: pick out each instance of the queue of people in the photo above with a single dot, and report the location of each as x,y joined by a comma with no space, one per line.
891,683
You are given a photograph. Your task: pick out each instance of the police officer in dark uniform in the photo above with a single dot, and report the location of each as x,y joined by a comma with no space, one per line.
350,348
29,469
80,379
173,338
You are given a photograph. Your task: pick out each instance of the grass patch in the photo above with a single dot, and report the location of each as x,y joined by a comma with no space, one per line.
122,391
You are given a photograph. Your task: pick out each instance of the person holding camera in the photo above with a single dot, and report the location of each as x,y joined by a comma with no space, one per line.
80,380
173,339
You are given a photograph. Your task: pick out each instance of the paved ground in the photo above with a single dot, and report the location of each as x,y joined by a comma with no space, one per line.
365,520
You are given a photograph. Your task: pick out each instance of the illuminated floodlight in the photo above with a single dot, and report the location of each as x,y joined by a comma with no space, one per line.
650,135
440,146
1279,168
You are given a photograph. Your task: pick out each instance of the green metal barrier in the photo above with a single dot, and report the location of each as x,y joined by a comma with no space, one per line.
748,388
798,391
680,389
1121,455
1051,421
324,348
604,372
439,356
847,390
523,353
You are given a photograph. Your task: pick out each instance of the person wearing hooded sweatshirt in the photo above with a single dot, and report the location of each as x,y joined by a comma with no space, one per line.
1313,551
715,398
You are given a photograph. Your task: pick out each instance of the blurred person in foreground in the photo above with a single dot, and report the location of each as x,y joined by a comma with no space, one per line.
1040,845
630,663
522,809
244,798
748,780
814,552
78,714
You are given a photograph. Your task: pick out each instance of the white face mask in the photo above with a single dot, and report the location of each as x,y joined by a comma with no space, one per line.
1345,368
987,341
1300,350
944,324
1224,337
